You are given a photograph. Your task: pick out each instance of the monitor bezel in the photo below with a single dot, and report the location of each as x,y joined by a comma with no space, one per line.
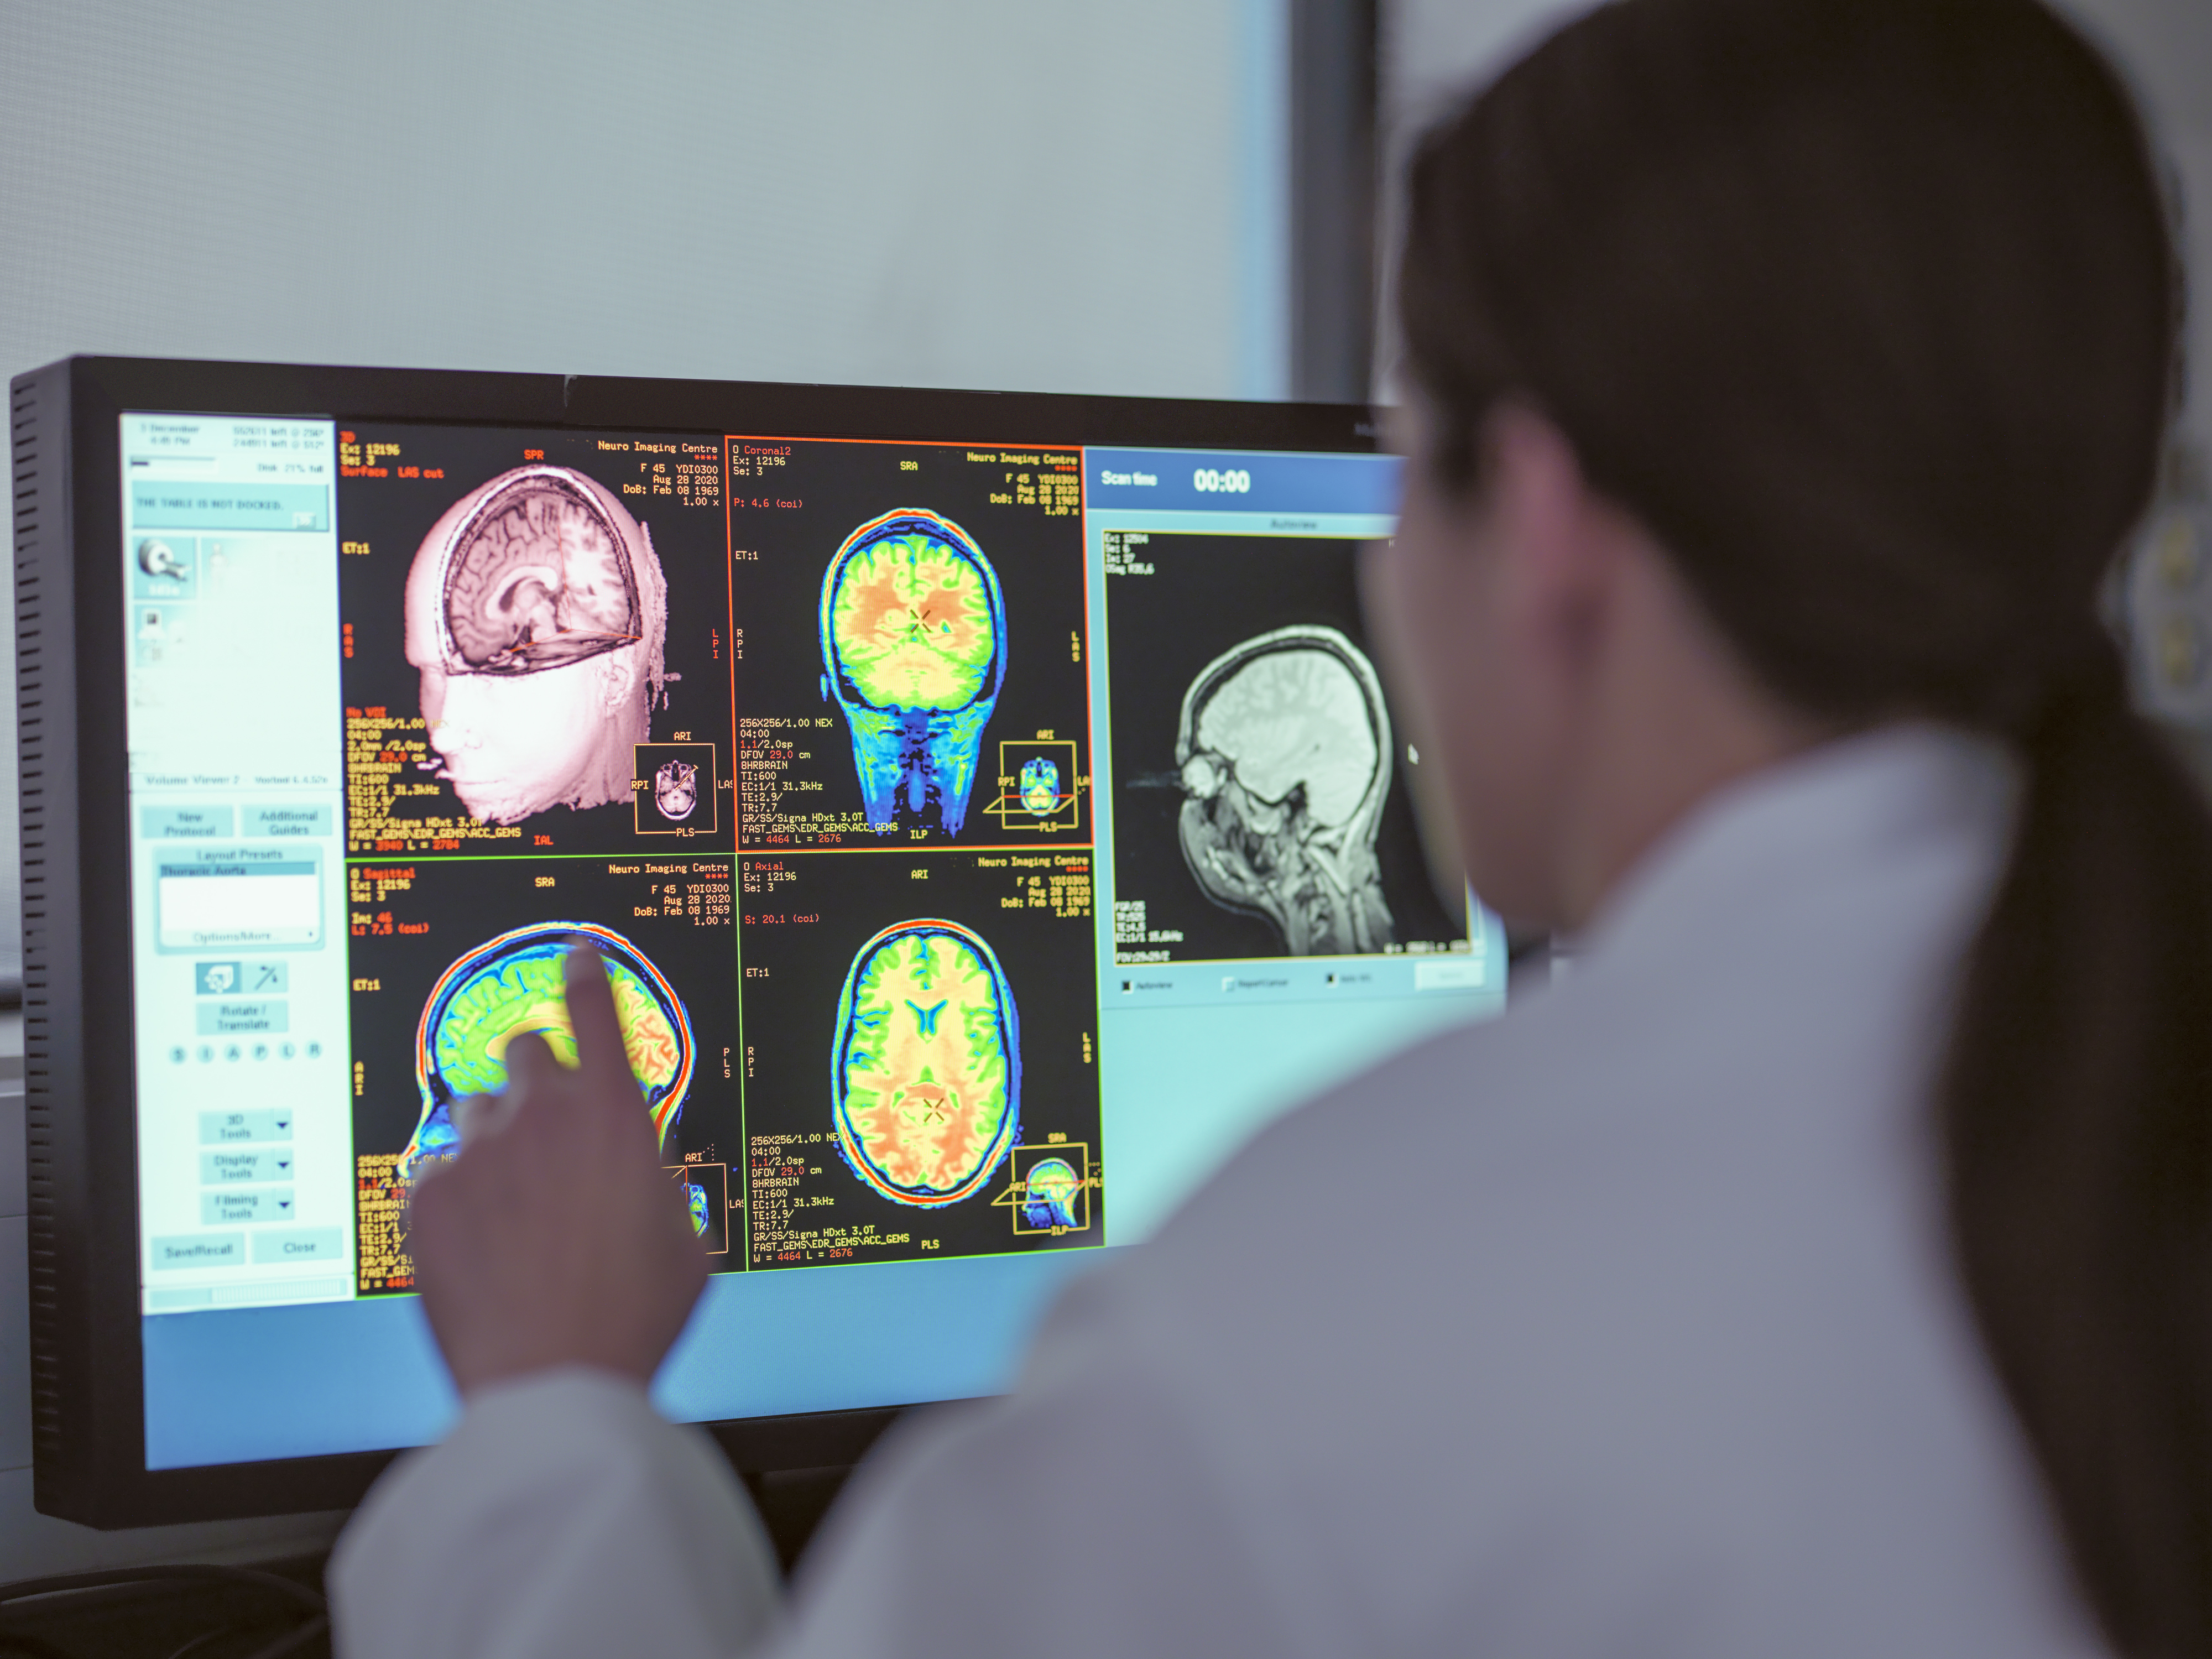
88,1416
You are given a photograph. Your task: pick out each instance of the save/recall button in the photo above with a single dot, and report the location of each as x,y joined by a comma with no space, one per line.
200,1251
299,1244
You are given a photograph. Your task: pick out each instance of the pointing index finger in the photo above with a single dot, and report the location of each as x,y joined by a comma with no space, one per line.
599,1049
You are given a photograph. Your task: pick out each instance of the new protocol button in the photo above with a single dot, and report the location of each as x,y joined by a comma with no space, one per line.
299,1244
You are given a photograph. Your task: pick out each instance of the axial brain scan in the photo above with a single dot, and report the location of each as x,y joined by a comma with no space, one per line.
1283,750
513,984
914,649
927,1067
537,613
1040,787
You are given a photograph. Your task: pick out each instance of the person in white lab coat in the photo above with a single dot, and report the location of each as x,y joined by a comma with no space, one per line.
1822,1267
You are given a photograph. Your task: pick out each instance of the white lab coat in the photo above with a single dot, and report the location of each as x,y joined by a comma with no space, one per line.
1623,1325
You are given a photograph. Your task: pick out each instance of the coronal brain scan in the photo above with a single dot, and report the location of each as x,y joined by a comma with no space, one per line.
926,1070
513,984
913,650
536,615
1284,754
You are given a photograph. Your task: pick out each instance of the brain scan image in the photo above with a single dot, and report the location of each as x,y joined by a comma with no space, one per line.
1284,755
695,1202
913,650
537,615
1048,1194
927,1071
1040,787
676,789
513,984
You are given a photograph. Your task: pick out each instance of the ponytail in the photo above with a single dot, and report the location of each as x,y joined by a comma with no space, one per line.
2077,1121
1868,309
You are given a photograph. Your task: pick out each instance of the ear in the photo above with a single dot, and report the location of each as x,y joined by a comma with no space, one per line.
1557,535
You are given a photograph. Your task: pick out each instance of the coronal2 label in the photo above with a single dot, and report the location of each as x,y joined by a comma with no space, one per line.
538,616
927,1071
514,983
913,650
1284,754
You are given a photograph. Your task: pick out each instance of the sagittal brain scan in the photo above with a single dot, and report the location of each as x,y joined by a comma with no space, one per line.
1048,1194
537,615
513,984
914,650
1284,754
926,1072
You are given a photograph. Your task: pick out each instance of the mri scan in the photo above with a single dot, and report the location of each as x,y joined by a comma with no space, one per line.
1283,753
914,650
536,615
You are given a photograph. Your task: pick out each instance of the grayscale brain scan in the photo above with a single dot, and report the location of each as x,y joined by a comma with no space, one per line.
536,615
1283,751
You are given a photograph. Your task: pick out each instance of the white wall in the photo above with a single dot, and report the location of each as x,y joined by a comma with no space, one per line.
1018,194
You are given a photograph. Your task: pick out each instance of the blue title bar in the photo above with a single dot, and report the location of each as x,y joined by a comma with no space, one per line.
1239,481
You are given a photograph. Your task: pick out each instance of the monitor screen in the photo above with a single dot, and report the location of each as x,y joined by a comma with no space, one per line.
985,837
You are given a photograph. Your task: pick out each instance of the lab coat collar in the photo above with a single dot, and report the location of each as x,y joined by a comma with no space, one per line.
1843,807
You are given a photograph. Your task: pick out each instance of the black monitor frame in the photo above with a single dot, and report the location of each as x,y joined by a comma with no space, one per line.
86,1388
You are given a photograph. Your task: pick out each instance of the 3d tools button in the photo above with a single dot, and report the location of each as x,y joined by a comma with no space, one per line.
184,822
224,1169
200,1251
299,1244
255,1203
234,1018
229,1129
284,820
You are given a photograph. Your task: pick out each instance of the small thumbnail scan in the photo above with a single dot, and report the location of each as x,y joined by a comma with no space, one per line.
452,958
911,634
534,640
1259,809
921,1067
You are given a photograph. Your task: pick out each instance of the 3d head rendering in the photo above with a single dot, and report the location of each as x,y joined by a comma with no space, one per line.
926,1077
537,613
513,984
913,650
1283,752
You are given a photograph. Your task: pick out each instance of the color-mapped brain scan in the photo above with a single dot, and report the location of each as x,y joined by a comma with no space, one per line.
1048,1194
913,650
1040,787
927,1071
513,984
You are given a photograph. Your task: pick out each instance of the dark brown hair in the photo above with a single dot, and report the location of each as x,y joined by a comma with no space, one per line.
1867,308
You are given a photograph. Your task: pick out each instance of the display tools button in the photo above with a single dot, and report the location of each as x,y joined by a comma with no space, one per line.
239,1166
323,1244
200,1251
251,1204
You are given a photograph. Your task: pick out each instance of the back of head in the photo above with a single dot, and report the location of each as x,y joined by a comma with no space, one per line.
1868,309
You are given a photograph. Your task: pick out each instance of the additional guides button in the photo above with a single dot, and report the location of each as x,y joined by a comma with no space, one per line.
299,1244
285,819
229,1129
246,1165
185,823
254,1204
200,1251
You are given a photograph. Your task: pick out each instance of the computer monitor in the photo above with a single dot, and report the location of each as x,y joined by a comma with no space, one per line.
989,807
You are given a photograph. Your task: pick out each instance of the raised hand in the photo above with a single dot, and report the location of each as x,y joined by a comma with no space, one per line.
555,1237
